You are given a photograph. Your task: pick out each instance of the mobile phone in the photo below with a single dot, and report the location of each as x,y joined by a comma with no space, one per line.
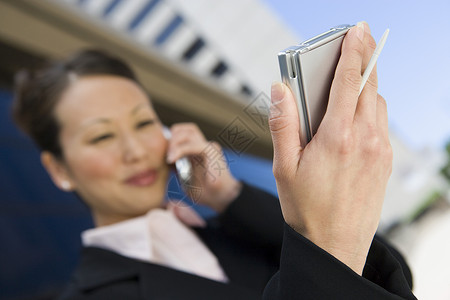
308,70
183,165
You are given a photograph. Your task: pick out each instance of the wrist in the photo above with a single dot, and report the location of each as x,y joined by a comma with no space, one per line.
350,250
227,195
353,259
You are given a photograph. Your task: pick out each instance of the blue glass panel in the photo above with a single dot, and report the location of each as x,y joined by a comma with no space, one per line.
143,14
170,28
112,5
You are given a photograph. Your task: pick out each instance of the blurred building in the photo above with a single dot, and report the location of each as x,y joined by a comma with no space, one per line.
230,44
415,177
201,61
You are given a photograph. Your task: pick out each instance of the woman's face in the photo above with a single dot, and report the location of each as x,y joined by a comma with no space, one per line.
113,147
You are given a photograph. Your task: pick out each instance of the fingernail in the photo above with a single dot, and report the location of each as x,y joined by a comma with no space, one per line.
366,27
360,30
277,92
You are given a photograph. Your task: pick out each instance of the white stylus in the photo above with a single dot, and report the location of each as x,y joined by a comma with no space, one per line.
373,60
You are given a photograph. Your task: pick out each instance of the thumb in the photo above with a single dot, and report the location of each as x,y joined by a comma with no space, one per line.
284,127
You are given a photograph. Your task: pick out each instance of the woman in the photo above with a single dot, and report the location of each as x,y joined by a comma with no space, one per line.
101,138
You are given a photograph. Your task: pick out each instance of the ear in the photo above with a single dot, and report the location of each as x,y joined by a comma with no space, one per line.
58,171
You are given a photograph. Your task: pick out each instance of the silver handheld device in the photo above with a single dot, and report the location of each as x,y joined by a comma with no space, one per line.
308,70
182,165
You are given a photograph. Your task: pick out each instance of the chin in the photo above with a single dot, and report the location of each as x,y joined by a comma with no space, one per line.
148,200
141,199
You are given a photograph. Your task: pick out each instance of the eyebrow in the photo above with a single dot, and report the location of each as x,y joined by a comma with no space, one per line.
93,122
138,107
108,121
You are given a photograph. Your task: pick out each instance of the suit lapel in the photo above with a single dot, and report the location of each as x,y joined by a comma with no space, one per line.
158,282
99,268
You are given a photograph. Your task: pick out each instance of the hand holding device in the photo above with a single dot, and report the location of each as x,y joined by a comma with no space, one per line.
308,70
332,191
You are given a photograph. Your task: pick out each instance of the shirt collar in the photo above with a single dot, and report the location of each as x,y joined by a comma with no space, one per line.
158,237
129,238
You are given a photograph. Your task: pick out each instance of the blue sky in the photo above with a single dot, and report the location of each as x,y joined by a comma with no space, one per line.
414,67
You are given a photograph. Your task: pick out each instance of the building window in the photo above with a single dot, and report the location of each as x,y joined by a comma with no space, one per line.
170,28
219,69
193,49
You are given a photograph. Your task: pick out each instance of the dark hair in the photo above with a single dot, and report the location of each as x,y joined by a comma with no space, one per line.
38,92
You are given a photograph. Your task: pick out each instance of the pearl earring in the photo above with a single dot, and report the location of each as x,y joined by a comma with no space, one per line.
65,185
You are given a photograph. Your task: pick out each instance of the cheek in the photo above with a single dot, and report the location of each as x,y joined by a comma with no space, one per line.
93,165
157,147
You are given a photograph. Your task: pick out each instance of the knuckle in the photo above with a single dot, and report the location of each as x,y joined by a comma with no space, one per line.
372,142
354,49
352,78
275,110
371,43
376,148
277,172
175,126
372,147
358,51
184,126
178,128
192,126
372,83
281,172
346,146
389,159
278,123
388,153
381,100
216,146
385,158
344,142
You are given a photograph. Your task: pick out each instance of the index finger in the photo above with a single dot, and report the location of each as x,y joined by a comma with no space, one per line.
347,80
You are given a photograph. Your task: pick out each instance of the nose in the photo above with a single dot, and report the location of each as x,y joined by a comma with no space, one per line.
134,149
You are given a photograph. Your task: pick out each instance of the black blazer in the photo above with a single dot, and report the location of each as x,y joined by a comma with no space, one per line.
247,240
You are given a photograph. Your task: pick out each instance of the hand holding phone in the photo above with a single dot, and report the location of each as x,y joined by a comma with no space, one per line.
207,180
183,166
308,70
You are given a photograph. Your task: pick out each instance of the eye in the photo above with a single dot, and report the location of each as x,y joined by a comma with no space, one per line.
101,138
144,123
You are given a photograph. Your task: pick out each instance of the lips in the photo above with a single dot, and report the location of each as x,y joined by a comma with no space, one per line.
145,178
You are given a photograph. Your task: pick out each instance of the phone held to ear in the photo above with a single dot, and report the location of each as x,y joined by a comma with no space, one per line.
308,70
183,165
